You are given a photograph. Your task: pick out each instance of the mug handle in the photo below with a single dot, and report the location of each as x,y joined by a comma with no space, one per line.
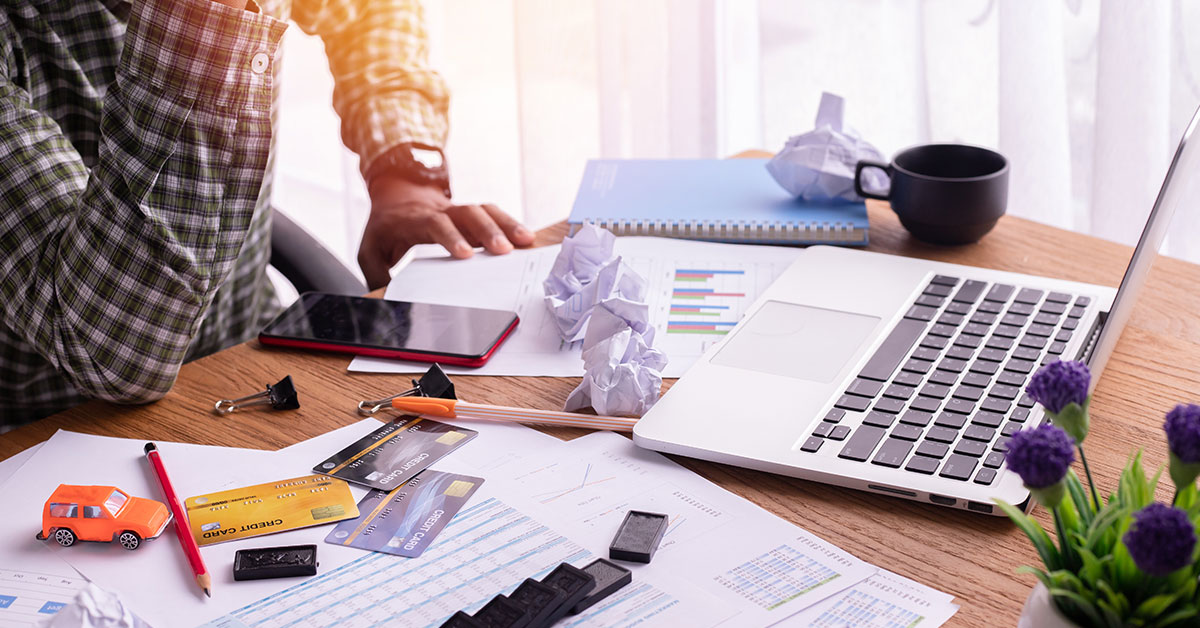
863,165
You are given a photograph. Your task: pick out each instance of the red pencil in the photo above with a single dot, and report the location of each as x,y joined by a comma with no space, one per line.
182,532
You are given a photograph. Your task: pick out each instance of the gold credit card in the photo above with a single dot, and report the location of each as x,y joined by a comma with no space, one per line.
268,508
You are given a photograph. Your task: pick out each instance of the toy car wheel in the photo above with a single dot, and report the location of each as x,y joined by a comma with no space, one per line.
129,540
65,537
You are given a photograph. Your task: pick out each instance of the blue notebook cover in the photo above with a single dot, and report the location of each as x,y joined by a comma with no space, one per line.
724,200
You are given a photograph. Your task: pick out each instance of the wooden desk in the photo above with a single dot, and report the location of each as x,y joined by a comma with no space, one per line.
1156,364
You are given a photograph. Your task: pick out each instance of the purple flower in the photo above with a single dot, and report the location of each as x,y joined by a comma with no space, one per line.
1041,456
1161,539
1183,432
1060,384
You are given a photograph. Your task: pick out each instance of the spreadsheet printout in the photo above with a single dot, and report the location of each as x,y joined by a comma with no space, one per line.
720,558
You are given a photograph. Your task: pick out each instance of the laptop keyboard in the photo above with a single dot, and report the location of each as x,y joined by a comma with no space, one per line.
945,390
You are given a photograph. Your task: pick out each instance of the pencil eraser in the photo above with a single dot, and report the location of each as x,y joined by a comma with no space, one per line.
275,562
539,600
502,613
609,578
638,537
573,583
461,620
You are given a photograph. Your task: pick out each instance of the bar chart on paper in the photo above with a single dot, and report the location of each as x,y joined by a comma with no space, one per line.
700,304
696,303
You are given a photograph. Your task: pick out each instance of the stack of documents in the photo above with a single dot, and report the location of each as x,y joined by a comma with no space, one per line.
723,560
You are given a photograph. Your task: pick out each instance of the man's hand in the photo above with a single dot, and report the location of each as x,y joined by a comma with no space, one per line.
405,213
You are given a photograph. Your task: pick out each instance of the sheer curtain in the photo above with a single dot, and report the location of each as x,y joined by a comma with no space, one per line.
1086,97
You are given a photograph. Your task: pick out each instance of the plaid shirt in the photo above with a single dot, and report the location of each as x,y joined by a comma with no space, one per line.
135,152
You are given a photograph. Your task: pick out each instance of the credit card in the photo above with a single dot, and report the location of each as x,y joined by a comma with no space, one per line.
394,453
268,508
406,520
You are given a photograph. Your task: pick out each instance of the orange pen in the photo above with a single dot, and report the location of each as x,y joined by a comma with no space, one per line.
456,408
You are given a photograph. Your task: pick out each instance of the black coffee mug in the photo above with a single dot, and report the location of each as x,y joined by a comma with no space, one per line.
944,193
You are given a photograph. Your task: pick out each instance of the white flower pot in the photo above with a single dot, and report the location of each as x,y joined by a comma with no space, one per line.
1040,612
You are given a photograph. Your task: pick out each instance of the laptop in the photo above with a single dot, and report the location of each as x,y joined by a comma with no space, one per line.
899,376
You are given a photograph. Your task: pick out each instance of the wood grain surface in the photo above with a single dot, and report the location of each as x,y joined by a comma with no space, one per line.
974,557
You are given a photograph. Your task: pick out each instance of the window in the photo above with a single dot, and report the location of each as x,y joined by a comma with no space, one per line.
64,510
114,502
92,512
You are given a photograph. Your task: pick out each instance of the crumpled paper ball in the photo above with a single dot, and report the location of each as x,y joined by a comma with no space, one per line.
622,369
94,607
585,273
579,260
819,165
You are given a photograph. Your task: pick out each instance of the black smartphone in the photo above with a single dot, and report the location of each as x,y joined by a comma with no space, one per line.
460,336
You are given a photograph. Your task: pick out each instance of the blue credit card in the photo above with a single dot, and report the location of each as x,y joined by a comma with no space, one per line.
406,520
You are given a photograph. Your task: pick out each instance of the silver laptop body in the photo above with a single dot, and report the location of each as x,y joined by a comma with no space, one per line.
830,374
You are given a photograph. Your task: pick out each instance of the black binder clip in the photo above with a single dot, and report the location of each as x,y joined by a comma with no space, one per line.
281,396
434,383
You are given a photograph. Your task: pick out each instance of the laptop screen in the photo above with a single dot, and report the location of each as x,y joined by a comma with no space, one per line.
1184,166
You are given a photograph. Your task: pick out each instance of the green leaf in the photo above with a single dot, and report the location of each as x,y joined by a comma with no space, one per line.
1155,605
1069,516
1079,496
1104,524
1125,572
1176,617
1115,599
1187,501
1041,541
1081,604
1092,569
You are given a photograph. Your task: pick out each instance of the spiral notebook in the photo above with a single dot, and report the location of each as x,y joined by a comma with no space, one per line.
723,200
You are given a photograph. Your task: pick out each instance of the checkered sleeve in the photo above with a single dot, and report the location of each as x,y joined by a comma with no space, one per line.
108,271
385,91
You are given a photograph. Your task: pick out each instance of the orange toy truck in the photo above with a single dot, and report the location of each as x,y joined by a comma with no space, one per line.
101,513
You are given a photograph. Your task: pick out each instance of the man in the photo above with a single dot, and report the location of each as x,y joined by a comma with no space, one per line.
135,144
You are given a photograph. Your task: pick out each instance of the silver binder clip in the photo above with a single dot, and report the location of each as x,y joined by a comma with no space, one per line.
434,383
281,396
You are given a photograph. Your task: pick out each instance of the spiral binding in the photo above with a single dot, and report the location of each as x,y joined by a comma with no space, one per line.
762,232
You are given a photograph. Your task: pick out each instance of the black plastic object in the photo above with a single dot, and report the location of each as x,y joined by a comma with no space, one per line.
283,395
502,613
539,600
308,265
275,562
610,577
638,537
435,383
574,584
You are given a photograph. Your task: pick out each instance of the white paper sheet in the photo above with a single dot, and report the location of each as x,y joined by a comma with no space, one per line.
716,542
885,600
10,465
155,580
723,560
690,311
30,598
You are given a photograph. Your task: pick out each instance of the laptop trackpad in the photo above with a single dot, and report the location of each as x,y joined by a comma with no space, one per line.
798,341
